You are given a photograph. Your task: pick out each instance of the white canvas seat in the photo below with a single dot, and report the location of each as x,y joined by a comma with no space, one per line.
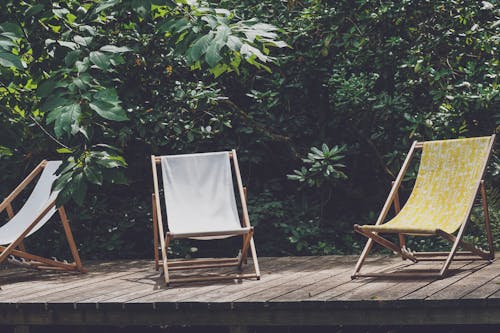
34,214
201,204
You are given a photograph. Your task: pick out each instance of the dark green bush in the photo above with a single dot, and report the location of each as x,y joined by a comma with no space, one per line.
368,76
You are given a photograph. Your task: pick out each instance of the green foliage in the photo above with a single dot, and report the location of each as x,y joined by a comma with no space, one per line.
73,53
323,167
104,84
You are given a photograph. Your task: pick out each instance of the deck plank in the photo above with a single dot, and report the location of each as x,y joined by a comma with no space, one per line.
228,292
486,290
468,283
396,288
305,290
346,284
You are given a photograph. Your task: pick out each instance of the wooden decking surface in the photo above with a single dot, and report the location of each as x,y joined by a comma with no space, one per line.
292,291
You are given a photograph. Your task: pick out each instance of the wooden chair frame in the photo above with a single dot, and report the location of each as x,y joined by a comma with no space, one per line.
17,248
472,252
163,241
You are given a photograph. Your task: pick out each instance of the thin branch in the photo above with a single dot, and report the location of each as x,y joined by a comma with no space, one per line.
48,134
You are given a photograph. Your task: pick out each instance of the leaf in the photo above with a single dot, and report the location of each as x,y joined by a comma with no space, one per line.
13,29
11,60
69,45
93,175
199,48
82,66
6,45
52,104
108,110
64,118
4,151
115,49
248,51
64,151
71,57
107,95
100,59
33,10
105,5
79,188
65,191
84,41
212,57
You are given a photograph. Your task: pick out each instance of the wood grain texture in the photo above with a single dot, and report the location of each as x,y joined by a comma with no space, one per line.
293,291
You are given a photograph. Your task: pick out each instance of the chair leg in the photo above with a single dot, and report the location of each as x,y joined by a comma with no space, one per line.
244,250
155,233
454,248
254,258
165,263
487,226
362,258
71,240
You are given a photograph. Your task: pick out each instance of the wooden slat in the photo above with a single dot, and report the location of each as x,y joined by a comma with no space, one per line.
488,289
160,292
45,290
330,280
468,283
438,285
283,276
293,291
348,285
287,279
209,292
395,288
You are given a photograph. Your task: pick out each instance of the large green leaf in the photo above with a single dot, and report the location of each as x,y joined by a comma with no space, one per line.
213,57
115,49
11,60
71,57
105,4
108,95
79,188
199,48
108,111
65,118
100,59
6,44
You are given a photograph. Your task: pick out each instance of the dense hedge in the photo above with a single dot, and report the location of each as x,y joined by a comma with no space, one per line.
336,111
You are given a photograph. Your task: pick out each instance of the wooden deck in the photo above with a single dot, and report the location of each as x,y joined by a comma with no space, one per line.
293,291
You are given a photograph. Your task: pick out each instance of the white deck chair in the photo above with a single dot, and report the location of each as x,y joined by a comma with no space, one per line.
34,214
201,204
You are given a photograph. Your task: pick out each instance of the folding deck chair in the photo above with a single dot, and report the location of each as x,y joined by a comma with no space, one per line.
35,213
201,204
449,176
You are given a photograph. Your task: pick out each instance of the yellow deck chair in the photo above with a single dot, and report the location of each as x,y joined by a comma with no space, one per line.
34,214
201,204
449,176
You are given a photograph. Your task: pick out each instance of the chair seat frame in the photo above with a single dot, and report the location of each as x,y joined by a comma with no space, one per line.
161,242
17,249
471,252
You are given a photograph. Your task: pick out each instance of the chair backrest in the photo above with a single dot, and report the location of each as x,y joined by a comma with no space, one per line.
37,201
447,183
199,193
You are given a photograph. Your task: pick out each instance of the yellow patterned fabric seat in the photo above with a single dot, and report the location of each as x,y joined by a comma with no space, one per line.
444,190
